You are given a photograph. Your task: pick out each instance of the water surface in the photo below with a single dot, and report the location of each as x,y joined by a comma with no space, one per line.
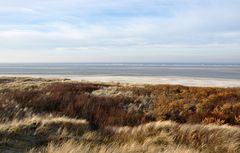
203,70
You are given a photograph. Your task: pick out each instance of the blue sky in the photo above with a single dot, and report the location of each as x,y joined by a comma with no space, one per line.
120,31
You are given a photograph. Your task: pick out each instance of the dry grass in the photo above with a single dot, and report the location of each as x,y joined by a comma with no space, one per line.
154,137
61,134
212,138
38,115
21,135
73,147
207,138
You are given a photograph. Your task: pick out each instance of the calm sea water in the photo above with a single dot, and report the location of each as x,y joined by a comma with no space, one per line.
226,71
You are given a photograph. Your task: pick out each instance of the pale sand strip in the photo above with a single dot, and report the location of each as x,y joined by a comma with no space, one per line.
187,81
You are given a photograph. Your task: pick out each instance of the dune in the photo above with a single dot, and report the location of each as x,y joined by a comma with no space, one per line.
47,115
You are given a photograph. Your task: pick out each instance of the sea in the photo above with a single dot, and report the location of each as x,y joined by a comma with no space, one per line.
202,70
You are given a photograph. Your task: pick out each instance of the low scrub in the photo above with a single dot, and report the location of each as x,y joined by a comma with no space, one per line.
74,100
197,105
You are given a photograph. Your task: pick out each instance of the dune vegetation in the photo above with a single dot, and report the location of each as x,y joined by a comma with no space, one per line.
51,116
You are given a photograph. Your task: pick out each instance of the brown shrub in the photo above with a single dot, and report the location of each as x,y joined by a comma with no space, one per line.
104,111
178,103
196,105
75,100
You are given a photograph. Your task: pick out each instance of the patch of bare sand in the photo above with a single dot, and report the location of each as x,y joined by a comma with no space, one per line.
186,81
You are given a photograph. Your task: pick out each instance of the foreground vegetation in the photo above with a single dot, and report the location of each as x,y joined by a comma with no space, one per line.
39,115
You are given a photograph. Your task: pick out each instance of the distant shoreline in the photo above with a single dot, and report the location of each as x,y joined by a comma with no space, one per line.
152,80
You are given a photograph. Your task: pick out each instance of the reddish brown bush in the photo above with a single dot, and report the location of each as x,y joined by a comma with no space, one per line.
196,105
75,100
178,103
104,111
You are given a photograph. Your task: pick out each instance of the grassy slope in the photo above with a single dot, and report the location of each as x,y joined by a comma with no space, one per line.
71,135
49,116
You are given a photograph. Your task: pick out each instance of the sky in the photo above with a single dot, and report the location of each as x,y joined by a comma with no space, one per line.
120,31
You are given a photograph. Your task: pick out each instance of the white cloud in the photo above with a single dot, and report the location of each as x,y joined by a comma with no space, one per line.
121,29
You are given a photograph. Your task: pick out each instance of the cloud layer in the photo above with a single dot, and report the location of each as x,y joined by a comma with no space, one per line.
120,31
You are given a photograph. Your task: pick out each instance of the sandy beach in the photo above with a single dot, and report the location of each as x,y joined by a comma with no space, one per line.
186,81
